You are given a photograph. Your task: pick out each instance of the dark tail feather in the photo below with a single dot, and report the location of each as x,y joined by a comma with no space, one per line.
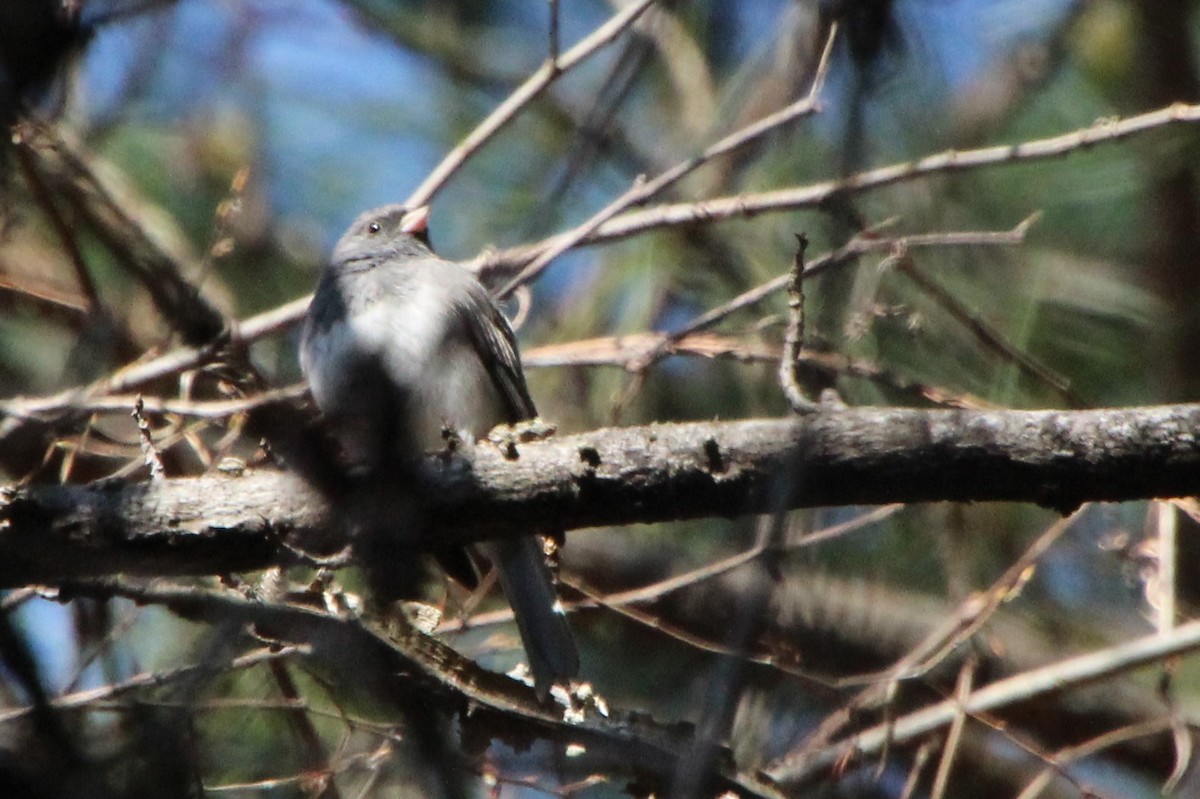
529,588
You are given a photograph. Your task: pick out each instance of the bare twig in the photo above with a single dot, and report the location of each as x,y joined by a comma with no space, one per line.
66,236
986,333
1163,599
316,760
815,195
622,601
1058,763
684,63
47,298
968,617
121,403
793,340
976,610
149,452
859,245
1052,679
644,190
179,360
67,170
628,603
962,691
282,318
630,352
1161,594
918,766
521,97
598,130
403,664
726,678
87,698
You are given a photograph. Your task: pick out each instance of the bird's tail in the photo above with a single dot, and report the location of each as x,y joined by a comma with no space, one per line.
529,588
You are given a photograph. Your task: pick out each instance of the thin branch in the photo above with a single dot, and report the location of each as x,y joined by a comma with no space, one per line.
851,251
625,603
149,452
521,97
988,335
67,171
66,236
401,664
137,374
815,195
658,590
283,317
161,406
962,691
1065,757
156,679
1055,678
914,772
49,299
1163,599
597,130
643,191
316,760
793,340
684,63
957,627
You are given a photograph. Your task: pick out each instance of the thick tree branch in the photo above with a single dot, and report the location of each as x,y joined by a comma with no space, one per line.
619,476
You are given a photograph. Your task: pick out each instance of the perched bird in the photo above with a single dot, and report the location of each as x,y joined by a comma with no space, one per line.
399,345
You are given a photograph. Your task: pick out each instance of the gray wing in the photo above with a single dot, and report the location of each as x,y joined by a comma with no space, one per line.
493,339
524,575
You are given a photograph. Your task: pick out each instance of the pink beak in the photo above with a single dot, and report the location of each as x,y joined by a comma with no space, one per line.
416,221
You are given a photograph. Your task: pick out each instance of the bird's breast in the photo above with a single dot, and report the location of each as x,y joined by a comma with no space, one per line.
420,352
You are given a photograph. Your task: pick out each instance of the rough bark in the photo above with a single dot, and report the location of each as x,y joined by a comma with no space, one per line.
215,524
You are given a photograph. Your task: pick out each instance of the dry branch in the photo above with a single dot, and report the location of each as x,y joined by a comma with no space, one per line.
814,195
646,474
399,665
1051,679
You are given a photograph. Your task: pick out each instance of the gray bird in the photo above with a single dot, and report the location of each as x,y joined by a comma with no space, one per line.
397,345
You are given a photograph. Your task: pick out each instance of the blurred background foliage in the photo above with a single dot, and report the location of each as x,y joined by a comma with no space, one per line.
244,135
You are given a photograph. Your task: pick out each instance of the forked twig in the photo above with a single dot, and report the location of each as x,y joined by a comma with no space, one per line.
643,190
814,195
1051,679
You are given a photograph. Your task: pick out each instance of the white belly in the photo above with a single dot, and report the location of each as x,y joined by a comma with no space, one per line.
426,357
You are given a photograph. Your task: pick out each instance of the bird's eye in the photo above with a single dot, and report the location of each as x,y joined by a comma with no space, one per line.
374,227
